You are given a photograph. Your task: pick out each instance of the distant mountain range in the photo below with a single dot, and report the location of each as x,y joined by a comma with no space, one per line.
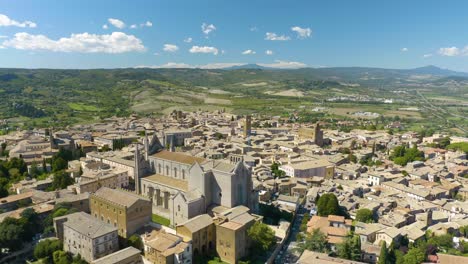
426,70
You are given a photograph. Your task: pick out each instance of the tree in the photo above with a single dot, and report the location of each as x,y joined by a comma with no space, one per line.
316,241
415,255
262,236
350,248
61,180
135,241
46,248
59,164
11,234
365,215
328,205
61,257
383,258
30,222
276,171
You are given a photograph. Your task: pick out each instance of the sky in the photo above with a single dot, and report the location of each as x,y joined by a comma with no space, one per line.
218,33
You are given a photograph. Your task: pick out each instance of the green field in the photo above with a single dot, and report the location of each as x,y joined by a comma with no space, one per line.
83,107
44,98
160,220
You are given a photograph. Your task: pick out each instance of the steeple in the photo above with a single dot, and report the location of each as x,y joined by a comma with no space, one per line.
146,143
137,169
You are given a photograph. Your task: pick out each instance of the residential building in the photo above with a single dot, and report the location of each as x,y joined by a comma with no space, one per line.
307,169
165,248
84,235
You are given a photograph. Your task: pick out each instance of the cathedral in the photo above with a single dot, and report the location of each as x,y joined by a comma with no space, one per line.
183,186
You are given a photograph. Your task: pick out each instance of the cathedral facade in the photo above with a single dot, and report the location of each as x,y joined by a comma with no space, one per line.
183,186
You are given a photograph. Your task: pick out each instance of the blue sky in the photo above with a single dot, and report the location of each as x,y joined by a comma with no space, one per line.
99,34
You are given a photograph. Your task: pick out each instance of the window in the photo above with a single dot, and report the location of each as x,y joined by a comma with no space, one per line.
159,168
175,172
167,170
183,174
178,208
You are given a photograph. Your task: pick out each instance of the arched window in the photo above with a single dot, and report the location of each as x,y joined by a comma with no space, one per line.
175,172
167,170
183,174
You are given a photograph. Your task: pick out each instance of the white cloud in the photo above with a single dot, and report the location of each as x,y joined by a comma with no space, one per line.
253,29
156,54
170,48
207,29
188,40
219,65
116,22
248,52
147,24
5,21
3,37
404,49
302,32
450,51
427,55
284,64
204,49
269,52
274,36
105,26
117,42
2,47
133,26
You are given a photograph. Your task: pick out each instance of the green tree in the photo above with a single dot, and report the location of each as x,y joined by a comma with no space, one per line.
11,234
415,255
350,248
315,241
30,222
365,215
61,180
135,241
61,257
59,164
262,236
383,258
46,248
327,204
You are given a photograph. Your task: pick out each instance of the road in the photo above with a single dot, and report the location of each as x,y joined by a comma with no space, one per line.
288,254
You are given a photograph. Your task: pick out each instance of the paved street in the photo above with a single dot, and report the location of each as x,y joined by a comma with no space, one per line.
288,253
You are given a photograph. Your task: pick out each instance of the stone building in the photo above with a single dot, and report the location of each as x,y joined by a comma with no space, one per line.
126,211
314,133
307,169
201,232
183,186
84,235
232,242
225,233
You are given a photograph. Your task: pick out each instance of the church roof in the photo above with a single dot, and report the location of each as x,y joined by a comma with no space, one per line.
178,157
168,181
219,166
